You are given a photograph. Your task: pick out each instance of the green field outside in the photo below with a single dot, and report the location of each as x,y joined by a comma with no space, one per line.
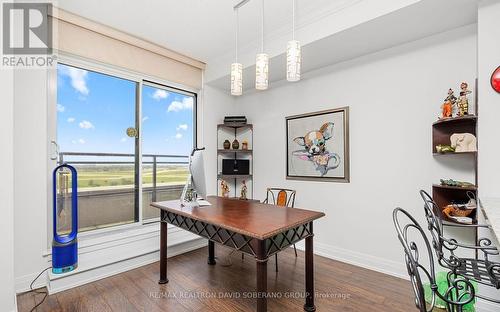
116,176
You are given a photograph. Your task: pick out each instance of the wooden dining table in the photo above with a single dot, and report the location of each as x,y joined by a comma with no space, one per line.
259,230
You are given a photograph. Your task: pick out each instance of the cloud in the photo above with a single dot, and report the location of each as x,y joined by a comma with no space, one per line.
80,141
85,124
124,139
175,106
145,118
178,136
182,127
71,119
60,108
160,94
78,78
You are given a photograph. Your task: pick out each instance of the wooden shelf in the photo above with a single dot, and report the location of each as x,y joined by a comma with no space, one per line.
242,151
454,153
444,128
467,188
464,119
235,125
234,176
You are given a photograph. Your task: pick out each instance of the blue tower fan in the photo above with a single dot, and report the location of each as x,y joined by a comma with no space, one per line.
65,247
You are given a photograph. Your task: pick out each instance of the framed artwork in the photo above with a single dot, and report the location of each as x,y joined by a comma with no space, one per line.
317,146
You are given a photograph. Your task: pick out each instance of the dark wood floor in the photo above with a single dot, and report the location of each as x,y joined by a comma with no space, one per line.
340,287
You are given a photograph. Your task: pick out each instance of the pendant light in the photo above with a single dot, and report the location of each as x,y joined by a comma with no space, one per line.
262,63
293,53
236,68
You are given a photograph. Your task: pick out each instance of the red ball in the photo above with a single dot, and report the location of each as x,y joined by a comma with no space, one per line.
495,80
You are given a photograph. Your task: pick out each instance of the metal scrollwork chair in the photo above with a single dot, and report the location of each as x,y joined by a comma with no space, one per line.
482,270
459,292
284,198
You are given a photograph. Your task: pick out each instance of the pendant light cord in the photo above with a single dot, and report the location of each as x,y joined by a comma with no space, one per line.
293,19
262,27
237,31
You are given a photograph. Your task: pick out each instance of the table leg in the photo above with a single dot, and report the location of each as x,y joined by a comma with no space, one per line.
309,306
261,285
163,250
211,253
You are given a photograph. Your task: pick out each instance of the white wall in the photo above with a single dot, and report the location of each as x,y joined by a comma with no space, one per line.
7,295
394,96
489,100
217,104
30,173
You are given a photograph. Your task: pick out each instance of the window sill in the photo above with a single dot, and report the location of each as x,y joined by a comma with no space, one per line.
104,238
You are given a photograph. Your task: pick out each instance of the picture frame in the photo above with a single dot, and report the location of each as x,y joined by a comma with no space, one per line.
317,146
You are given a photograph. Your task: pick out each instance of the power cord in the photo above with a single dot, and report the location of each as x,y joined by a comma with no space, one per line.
46,293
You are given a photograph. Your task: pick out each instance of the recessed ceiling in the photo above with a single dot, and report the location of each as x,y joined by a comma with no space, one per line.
202,29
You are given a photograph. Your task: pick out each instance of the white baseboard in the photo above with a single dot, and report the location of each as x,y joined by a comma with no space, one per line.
363,260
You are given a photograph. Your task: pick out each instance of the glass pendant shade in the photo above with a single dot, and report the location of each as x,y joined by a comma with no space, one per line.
262,71
293,60
236,79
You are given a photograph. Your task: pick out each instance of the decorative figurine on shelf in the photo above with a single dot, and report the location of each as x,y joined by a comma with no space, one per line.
463,101
449,102
244,190
244,145
463,142
236,144
443,148
227,144
224,188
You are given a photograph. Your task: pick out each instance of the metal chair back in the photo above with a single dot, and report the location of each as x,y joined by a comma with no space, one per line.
421,269
280,197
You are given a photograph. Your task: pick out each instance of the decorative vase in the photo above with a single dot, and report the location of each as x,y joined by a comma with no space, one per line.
236,144
227,144
244,145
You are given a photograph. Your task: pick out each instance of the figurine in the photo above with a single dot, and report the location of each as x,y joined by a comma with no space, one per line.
244,190
244,145
463,142
224,188
463,101
449,102
236,144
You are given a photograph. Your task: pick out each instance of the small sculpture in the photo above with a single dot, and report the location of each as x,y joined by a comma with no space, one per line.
449,102
224,188
244,190
463,101
227,144
442,148
244,145
236,144
463,142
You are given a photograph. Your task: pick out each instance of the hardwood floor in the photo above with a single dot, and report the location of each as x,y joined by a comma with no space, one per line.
196,286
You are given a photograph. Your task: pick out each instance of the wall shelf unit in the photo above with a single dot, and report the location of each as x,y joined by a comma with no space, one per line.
442,130
241,132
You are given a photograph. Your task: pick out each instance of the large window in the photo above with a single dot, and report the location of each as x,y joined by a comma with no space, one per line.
116,168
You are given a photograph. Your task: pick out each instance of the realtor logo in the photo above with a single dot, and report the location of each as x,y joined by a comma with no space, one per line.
27,28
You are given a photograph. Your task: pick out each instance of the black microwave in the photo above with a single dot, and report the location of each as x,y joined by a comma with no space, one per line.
235,166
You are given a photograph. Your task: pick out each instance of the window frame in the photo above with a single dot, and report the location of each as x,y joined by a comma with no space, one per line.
140,79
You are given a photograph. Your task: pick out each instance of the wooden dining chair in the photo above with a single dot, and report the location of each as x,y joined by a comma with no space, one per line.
284,198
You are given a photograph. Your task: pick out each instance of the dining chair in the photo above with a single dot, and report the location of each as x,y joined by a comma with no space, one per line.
284,198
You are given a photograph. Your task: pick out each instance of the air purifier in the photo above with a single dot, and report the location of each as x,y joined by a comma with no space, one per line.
65,244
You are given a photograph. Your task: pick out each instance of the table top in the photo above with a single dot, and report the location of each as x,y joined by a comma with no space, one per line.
249,218
491,210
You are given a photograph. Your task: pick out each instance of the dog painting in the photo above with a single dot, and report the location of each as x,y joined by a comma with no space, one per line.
317,146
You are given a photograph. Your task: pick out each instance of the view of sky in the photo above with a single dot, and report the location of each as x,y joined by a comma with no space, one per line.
94,110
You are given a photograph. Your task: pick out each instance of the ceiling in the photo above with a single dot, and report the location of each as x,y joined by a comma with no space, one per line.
331,31
202,29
